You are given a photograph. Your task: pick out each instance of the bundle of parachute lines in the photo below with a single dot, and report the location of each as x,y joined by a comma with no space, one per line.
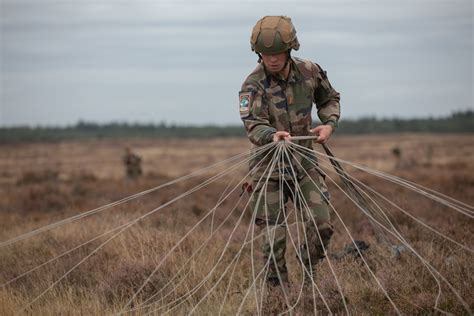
214,265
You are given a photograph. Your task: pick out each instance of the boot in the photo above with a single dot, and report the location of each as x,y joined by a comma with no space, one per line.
276,278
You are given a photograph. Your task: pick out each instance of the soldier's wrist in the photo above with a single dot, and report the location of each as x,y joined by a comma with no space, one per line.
332,123
268,137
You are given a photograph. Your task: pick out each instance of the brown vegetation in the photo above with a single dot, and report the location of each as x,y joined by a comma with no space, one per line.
44,183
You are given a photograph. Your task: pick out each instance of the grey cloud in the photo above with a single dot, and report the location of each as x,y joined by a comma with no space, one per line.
184,61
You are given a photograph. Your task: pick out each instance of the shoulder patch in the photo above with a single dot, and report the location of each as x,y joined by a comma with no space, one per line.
245,101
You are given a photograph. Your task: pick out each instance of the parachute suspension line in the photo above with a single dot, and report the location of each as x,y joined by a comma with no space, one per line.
285,219
209,274
350,236
221,200
75,248
296,201
362,201
250,228
126,199
353,240
304,271
270,237
457,205
228,267
282,154
350,187
433,271
348,177
201,247
360,183
265,267
261,192
165,257
128,225
314,221
271,232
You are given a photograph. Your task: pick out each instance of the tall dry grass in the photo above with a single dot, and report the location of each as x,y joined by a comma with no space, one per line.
108,279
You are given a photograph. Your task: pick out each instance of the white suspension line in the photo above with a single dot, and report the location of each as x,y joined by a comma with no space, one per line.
353,241
362,201
159,265
265,267
303,266
310,216
429,267
205,183
268,260
69,251
467,210
203,281
209,238
126,199
271,232
400,209
304,269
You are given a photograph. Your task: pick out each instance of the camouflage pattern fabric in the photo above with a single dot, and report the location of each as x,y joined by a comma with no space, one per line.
132,164
268,103
274,34
271,218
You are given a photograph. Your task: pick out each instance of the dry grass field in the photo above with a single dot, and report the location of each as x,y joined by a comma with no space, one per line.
44,183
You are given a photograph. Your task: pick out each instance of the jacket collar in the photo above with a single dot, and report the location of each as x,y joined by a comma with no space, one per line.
293,76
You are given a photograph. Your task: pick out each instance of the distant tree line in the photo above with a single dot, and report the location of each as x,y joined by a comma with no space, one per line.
458,122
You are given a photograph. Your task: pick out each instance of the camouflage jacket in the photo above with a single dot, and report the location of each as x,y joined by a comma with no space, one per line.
269,103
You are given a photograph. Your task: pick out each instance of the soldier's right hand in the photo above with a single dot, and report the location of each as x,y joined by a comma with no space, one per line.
281,135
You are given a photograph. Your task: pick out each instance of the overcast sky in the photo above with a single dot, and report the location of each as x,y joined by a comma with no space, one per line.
184,61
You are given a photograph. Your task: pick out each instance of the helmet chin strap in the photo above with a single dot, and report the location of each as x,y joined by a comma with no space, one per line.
288,57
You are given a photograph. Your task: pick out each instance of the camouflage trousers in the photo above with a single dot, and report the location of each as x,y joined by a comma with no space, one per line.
134,172
311,207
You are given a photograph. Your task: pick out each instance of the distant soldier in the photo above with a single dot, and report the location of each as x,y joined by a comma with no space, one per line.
275,102
133,164
397,153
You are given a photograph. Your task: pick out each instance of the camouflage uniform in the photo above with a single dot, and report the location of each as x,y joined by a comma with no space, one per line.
132,164
269,103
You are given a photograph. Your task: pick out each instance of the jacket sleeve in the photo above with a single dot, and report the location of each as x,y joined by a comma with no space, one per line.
254,115
326,99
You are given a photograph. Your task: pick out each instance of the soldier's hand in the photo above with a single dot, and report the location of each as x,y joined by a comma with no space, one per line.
281,135
324,132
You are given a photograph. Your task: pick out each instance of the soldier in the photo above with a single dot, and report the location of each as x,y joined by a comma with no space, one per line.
275,103
132,164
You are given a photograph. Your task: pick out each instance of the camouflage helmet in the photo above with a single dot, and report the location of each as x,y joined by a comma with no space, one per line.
273,35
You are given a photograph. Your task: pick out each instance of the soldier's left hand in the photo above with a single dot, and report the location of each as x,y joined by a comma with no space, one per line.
324,132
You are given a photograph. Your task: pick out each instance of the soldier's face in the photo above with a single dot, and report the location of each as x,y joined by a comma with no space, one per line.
274,62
